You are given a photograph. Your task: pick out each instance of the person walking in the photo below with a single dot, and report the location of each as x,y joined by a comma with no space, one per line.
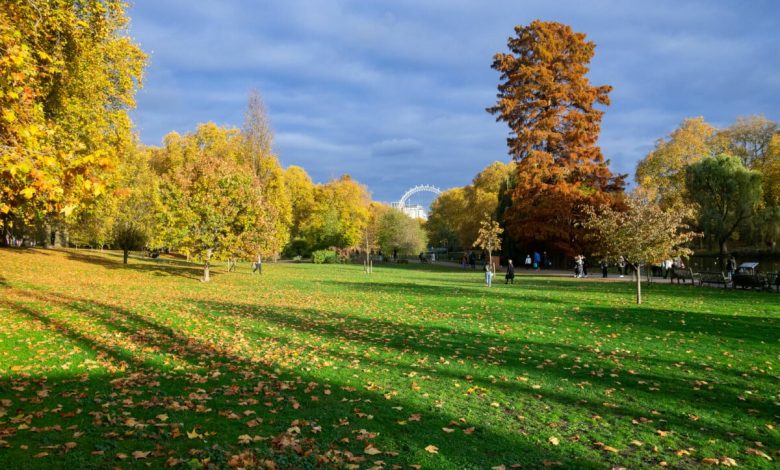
528,261
488,275
510,273
537,260
732,266
258,265
604,268
622,266
546,263
578,266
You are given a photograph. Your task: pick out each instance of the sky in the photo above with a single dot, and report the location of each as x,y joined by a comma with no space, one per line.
394,92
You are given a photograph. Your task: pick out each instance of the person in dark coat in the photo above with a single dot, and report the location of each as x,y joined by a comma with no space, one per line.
510,273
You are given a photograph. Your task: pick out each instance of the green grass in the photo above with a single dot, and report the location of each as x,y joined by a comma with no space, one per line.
323,365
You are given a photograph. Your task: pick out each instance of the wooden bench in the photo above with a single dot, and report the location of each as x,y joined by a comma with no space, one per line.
713,278
683,274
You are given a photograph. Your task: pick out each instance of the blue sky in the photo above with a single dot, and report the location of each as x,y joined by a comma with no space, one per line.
394,92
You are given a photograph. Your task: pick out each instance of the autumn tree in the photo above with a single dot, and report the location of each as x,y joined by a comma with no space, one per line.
448,211
550,107
642,233
68,75
258,154
372,232
727,195
489,236
213,202
661,174
750,138
452,216
339,215
401,233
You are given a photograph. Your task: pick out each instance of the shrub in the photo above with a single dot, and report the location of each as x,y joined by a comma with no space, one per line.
325,257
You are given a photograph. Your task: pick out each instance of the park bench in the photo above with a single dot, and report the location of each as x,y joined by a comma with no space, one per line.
683,274
713,278
750,281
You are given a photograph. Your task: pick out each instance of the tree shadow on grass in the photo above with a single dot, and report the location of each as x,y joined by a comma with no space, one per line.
225,379
642,390
756,328
154,267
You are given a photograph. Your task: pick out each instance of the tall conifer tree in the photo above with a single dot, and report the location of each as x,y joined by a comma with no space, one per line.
549,104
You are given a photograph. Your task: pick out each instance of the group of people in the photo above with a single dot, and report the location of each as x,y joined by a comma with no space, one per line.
509,276
538,261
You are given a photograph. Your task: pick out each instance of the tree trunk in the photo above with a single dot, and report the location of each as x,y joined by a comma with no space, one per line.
638,273
124,258
206,273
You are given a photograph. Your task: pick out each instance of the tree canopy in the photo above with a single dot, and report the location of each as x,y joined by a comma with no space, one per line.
550,107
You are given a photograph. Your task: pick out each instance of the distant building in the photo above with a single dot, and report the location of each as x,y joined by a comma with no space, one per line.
416,211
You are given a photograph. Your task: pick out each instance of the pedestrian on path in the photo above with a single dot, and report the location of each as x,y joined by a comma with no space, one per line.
510,273
488,275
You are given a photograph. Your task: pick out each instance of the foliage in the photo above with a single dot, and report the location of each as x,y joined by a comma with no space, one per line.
128,236
452,213
214,207
661,174
105,366
489,236
257,154
549,105
727,195
339,215
324,257
68,75
643,234
750,139
398,231
301,191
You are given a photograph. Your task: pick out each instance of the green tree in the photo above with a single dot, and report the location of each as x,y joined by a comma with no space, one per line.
727,195
398,231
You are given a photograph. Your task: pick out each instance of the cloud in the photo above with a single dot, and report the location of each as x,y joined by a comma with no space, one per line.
405,147
394,91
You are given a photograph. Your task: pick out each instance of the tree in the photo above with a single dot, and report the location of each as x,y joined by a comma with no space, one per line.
643,233
398,231
372,232
213,203
661,174
750,139
549,106
446,217
489,237
128,236
68,75
258,154
339,215
727,195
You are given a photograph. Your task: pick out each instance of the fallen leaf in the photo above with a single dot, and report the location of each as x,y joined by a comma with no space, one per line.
432,449
553,440
140,454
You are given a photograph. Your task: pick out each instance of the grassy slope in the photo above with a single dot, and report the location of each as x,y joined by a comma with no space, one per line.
112,360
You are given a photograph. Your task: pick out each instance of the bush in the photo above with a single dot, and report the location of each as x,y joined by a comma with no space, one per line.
325,257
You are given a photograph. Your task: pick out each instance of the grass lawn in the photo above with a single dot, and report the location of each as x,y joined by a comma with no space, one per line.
142,366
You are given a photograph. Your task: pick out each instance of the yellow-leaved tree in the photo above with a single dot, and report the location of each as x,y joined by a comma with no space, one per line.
68,75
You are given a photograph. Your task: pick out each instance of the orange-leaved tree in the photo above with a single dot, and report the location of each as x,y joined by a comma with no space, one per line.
549,105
